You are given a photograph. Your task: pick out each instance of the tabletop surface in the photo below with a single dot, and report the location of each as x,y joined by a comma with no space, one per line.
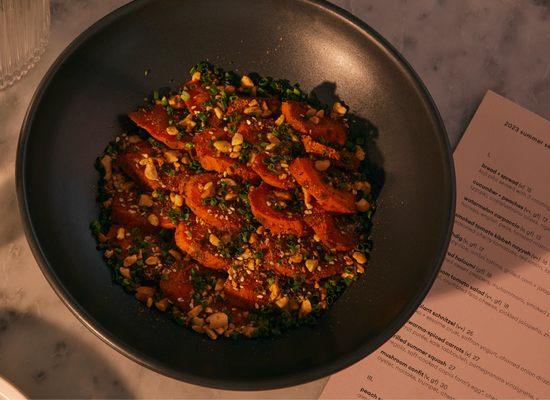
460,49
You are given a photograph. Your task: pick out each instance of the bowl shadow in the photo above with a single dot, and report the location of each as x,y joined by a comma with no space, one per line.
10,228
325,92
44,361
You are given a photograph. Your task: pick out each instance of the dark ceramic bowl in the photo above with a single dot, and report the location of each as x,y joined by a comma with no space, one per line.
76,111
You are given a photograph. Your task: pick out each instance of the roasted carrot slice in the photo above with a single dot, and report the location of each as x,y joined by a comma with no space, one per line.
313,147
326,269
193,238
278,177
283,257
341,158
177,287
213,159
123,242
246,293
238,105
328,197
255,130
129,162
302,259
348,160
327,128
210,158
127,211
335,233
155,121
198,190
213,121
285,268
267,205
134,162
197,96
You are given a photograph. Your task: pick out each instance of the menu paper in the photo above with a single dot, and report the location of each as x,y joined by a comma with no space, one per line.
484,329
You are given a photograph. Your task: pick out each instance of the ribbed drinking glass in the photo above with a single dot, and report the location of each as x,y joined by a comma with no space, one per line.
24,29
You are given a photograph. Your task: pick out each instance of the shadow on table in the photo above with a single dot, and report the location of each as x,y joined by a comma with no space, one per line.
44,362
10,228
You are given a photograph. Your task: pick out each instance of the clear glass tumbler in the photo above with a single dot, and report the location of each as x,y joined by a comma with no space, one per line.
24,29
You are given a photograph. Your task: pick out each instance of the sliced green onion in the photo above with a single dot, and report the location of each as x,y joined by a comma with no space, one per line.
184,95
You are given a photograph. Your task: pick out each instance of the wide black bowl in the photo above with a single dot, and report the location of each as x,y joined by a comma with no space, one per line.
78,107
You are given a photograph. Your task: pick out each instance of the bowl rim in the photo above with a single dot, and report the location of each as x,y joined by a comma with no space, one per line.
146,361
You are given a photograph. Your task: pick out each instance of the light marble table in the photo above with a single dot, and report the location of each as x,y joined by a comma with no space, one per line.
460,48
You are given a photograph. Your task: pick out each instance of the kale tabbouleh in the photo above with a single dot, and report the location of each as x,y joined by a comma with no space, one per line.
239,204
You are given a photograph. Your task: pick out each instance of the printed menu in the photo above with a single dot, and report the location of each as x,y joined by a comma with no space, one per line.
484,329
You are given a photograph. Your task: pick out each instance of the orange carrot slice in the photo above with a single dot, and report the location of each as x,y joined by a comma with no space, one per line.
130,161
240,104
213,215
197,96
279,178
155,121
329,129
333,232
263,203
331,199
126,211
290,260
177,287
212,159
193,238
313,147
246,294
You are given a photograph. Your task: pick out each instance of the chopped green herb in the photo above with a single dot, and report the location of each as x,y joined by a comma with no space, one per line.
184,95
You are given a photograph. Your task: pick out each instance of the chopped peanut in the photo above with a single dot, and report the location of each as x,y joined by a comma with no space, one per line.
359,257
237,139
222,146
339,109
214,240
151,172
130,260
145,200
171,156
152,260
311,265
280,120
153,219
218,112
106,163
362,205
176,199
322,165
305,308
172,130
125,272
246,82
217,320
195,311
360,153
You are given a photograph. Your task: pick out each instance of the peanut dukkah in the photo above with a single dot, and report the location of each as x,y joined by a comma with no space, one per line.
238,204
